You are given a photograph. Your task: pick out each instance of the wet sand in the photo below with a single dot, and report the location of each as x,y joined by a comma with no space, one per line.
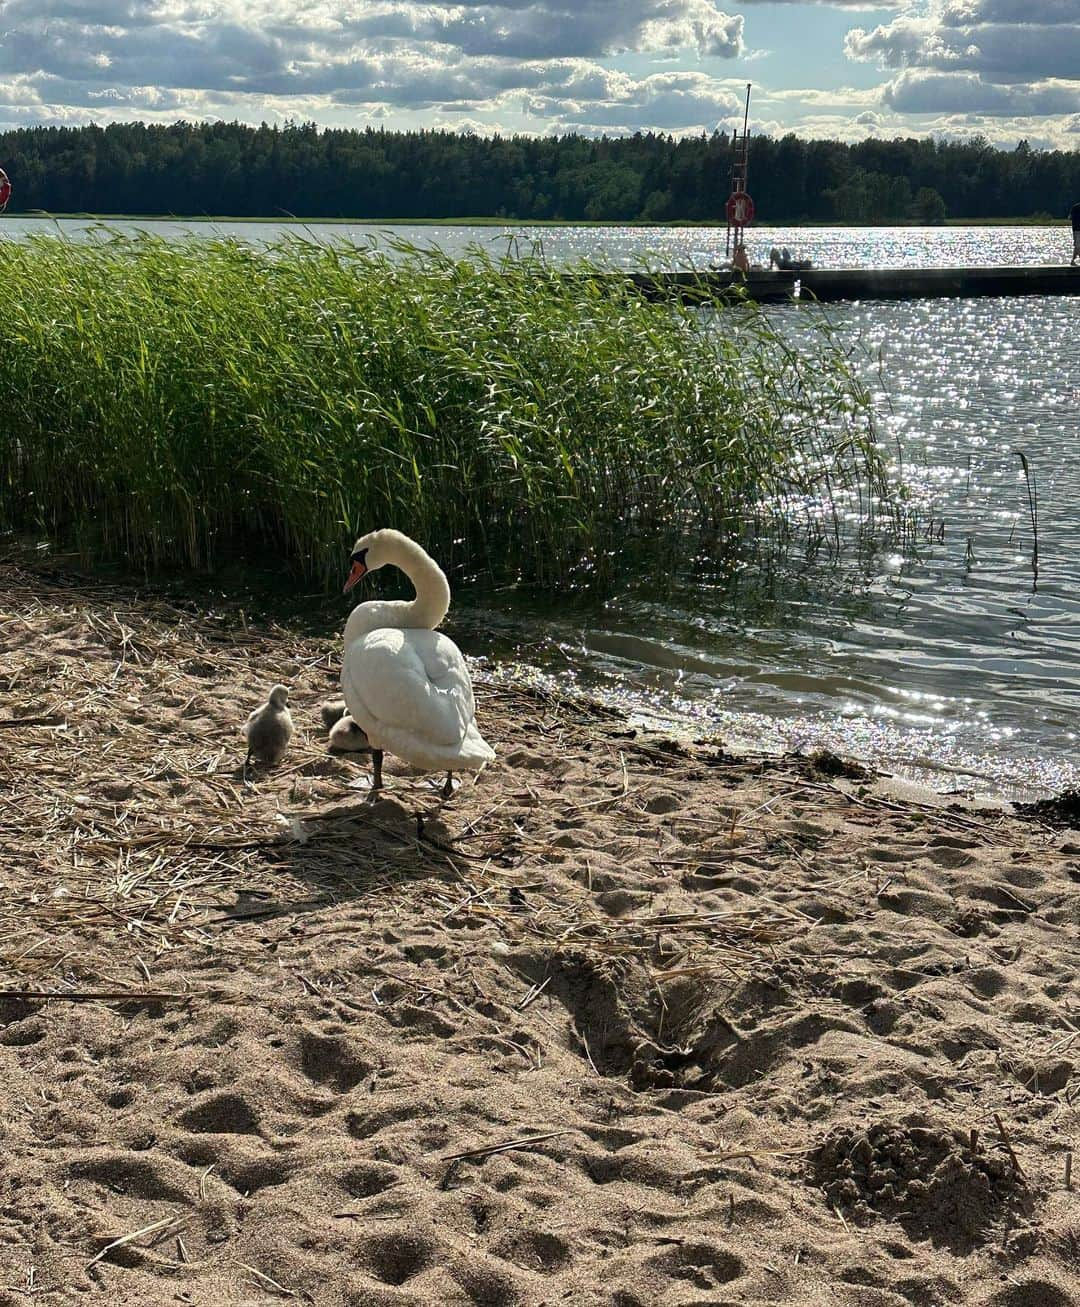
625,1022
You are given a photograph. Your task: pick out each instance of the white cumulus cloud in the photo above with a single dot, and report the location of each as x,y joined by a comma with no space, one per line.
995,58
261,57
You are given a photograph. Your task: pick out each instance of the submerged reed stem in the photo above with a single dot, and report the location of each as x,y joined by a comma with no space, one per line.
1033,513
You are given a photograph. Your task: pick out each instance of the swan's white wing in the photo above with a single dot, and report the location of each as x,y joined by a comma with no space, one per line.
408,683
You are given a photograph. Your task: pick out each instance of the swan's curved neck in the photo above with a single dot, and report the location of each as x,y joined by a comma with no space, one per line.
424,613
432,600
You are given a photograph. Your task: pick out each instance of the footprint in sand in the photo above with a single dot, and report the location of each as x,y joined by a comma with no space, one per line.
333,1062
704,1265
534,1250
221,1113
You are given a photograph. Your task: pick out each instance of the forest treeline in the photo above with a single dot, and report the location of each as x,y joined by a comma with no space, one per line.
232,169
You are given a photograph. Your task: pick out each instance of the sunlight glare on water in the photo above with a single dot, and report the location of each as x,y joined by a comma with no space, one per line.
945,663
660,247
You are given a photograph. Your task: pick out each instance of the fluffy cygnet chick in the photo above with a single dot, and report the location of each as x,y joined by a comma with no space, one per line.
347,737
269,728
332,711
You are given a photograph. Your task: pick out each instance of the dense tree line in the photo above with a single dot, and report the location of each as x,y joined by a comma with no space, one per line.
231,169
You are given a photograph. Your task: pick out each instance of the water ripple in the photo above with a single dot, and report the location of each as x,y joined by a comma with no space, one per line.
946,664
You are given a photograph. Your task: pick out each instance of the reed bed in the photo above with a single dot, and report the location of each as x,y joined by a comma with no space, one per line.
180,404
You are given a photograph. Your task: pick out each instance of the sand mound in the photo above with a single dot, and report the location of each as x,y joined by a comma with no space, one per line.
1061,810
935,1180
625,1022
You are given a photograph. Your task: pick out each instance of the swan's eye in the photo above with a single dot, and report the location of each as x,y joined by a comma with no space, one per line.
359,557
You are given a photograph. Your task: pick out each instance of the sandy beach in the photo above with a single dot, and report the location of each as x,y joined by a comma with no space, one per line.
626,1022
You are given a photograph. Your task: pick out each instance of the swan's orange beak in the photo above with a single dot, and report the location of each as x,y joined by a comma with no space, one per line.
357,572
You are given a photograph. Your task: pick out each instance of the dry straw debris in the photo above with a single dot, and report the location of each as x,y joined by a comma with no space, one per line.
614,1018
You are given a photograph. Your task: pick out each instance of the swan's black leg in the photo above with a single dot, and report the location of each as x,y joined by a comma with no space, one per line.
448,788
376,770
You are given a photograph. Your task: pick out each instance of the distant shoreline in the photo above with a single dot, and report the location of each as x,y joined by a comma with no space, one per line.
288,220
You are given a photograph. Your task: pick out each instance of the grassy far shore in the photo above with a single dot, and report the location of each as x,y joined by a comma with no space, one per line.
1033,220
181,404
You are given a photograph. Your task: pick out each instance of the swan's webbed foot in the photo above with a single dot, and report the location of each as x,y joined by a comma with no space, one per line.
448,787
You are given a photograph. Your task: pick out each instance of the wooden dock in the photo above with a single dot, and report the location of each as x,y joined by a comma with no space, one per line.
828,285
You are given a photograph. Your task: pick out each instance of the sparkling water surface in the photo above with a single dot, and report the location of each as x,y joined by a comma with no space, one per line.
950,661
675,247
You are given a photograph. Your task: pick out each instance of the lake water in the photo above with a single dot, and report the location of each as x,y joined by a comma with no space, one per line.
674,247
943,662
947,662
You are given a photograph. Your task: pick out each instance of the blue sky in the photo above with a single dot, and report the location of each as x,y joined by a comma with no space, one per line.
1005,69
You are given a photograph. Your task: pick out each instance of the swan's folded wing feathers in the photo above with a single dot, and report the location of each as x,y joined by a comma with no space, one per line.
446,668
388,680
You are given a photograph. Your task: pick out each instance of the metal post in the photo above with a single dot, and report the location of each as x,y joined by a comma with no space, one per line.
739,177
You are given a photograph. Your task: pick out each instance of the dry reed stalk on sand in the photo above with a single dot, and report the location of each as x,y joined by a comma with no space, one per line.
155,1228
1008,1145
100,996
521,1143
265,1281
505,1146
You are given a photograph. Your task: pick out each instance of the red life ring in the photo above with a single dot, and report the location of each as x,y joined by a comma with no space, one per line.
740,208
5,190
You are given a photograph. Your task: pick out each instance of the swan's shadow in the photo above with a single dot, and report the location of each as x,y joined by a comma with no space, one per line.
345,852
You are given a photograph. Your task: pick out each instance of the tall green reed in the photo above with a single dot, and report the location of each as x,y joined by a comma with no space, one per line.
187,403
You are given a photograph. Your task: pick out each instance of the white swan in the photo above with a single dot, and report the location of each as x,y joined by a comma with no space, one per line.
405,684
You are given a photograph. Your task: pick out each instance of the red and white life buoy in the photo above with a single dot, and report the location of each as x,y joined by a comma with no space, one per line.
5,190
740,208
